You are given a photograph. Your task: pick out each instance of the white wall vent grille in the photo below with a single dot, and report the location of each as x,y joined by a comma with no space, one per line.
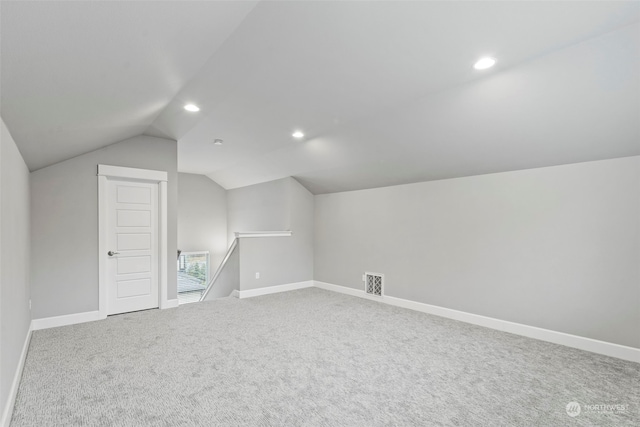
374,283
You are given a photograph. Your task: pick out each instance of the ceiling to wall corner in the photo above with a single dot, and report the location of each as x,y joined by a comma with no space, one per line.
385,92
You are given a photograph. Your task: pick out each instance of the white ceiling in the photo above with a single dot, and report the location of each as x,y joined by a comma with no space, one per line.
385,91
77,76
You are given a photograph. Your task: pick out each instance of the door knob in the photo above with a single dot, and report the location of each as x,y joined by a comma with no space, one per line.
111,253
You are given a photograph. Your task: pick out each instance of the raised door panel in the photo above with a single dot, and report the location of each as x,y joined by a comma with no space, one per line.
133,235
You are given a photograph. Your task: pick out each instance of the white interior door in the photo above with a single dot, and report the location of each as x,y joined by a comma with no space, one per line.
132,258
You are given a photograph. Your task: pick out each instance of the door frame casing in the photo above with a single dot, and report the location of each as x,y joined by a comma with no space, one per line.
146,175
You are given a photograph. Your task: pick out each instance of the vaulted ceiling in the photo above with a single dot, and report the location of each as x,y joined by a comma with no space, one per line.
385,92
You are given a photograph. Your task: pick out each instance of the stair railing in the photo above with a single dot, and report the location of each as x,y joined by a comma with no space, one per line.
220,268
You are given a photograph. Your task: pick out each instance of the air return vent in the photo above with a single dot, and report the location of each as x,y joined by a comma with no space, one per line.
373,283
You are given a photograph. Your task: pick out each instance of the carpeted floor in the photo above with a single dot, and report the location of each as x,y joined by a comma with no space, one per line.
312,358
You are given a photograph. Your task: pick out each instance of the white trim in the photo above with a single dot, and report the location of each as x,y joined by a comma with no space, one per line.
103,240
162,245
68,319
171,303
588,344
132,173
160,177
73,319
345,290
241,234
13,391
275,289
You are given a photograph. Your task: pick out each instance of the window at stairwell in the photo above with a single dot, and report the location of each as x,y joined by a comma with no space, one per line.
193,275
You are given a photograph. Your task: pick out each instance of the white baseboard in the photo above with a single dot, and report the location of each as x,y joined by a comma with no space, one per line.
595,346
170,303
13,392
69,319
89,316
275,289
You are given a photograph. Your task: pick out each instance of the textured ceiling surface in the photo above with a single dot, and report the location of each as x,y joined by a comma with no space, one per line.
384,91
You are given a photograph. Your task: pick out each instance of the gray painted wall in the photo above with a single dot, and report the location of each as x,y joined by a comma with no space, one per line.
557,247
15,316
273,206
202,217
64,224
260,207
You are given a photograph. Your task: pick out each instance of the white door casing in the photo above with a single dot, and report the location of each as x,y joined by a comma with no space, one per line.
132,216
132,263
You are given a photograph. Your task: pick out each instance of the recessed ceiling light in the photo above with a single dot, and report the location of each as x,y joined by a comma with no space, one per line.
192,108
484,63
297,134
218,141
